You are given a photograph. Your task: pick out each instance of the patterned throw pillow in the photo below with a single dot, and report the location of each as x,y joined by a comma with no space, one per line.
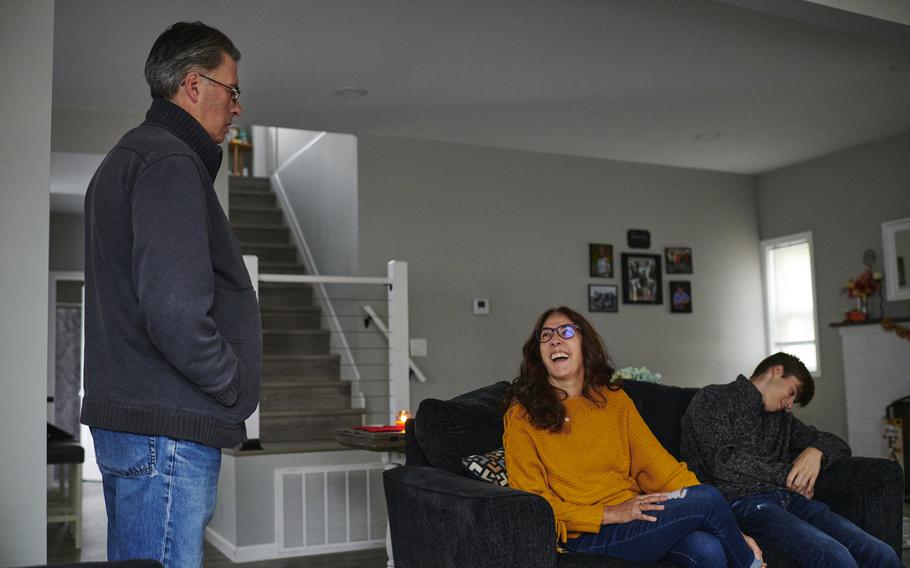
490,467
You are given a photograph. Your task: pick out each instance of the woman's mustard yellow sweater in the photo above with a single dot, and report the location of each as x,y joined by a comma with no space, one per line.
603,456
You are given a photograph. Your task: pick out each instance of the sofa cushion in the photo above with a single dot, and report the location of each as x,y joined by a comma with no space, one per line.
448,430
662,408
489,467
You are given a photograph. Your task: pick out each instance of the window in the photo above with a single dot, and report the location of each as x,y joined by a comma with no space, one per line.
789,283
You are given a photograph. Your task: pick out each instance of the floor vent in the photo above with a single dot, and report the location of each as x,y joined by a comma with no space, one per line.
329,509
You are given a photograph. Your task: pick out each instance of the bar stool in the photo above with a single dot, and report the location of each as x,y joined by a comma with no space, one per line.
65,504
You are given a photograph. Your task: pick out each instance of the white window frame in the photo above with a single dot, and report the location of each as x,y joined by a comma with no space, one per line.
766,246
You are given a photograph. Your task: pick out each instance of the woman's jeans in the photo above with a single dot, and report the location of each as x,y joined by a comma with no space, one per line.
809,533
697,530
159,493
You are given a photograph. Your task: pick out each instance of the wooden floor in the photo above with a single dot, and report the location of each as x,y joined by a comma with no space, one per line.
60,547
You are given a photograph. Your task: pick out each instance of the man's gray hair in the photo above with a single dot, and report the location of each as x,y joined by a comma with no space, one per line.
182,48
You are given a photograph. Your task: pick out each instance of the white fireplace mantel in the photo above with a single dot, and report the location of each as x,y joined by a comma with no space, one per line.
876,373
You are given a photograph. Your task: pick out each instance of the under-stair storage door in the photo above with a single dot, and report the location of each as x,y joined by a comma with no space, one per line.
329,509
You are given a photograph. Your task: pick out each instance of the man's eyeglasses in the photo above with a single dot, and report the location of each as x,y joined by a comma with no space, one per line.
235,91
565,331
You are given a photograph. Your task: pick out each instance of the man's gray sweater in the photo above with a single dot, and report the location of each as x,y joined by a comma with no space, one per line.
173,340
731,442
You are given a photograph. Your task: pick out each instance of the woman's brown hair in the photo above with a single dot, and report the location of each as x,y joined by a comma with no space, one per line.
532,388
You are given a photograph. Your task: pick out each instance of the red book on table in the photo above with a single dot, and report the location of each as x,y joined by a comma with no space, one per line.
379,428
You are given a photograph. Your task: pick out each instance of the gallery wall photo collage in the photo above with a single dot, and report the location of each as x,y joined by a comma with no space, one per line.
641,275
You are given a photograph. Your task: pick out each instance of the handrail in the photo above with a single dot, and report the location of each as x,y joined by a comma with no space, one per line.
372,315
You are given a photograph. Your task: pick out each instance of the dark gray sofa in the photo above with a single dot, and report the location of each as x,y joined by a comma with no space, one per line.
440,516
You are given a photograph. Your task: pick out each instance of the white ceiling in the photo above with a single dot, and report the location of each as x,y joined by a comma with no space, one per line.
630,80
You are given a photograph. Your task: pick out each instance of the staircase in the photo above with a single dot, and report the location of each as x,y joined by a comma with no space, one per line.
303,397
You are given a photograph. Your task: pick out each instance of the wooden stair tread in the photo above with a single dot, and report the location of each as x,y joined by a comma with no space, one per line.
281,246
250,209
303,446
316,332
311,413
310,357
272,384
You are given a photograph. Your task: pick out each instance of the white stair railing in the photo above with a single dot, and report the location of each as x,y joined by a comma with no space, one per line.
373,317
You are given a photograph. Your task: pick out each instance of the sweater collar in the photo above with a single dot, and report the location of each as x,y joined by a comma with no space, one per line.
181,124
751,395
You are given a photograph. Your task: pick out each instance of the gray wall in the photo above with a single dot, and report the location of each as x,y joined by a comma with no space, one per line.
26,27
96,132
67,242
514,227
843,198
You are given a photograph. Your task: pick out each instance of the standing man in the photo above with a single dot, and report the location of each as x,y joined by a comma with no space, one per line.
741,438
172,331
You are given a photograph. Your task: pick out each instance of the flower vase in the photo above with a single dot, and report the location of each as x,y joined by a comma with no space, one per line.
862,305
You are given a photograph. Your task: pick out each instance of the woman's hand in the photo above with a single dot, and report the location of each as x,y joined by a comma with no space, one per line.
633,509
754,546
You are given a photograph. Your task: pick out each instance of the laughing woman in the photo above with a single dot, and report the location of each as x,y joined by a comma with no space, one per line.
576,439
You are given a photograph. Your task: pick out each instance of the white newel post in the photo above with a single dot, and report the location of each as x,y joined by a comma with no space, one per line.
399,389
252,266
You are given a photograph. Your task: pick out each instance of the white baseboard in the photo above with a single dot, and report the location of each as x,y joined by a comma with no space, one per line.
241,553
270,550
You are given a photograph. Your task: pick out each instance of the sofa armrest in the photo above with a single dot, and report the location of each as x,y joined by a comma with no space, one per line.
869,492
441,519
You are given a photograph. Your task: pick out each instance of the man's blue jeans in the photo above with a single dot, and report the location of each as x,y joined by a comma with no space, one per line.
159,493
809,533
696,531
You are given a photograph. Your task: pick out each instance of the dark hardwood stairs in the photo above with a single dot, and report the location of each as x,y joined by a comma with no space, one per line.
303,397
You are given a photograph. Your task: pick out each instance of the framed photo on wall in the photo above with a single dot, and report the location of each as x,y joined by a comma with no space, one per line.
680,297
679,260
641,279
603,298
600,260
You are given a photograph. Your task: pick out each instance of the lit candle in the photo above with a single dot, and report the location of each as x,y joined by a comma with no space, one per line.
403,416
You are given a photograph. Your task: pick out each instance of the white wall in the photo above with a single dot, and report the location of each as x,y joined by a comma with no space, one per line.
26,60
321,186
843,198
514,227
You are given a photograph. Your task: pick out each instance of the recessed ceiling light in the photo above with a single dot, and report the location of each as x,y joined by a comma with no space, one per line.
350,92
901,66
708,135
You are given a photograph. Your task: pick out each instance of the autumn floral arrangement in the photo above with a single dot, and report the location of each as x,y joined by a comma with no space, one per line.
860,288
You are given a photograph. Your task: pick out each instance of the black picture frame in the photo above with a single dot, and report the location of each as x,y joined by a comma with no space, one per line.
680,294
678,259
641,279
603,298
600,260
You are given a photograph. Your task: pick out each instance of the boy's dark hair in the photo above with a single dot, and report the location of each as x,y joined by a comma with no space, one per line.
792,367
182,48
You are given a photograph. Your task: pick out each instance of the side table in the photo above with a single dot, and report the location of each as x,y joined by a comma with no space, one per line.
391,445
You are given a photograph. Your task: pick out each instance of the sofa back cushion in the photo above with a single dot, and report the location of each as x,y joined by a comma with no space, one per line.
662,408
449,430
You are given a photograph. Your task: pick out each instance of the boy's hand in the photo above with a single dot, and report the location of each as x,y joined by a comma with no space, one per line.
804,472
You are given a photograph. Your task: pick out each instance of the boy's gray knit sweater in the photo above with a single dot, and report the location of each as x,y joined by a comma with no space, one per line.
731,442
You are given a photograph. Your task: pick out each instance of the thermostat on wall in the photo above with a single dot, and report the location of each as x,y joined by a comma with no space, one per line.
481,307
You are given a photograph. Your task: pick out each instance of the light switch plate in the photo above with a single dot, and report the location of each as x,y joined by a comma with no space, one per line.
481,307
418,347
